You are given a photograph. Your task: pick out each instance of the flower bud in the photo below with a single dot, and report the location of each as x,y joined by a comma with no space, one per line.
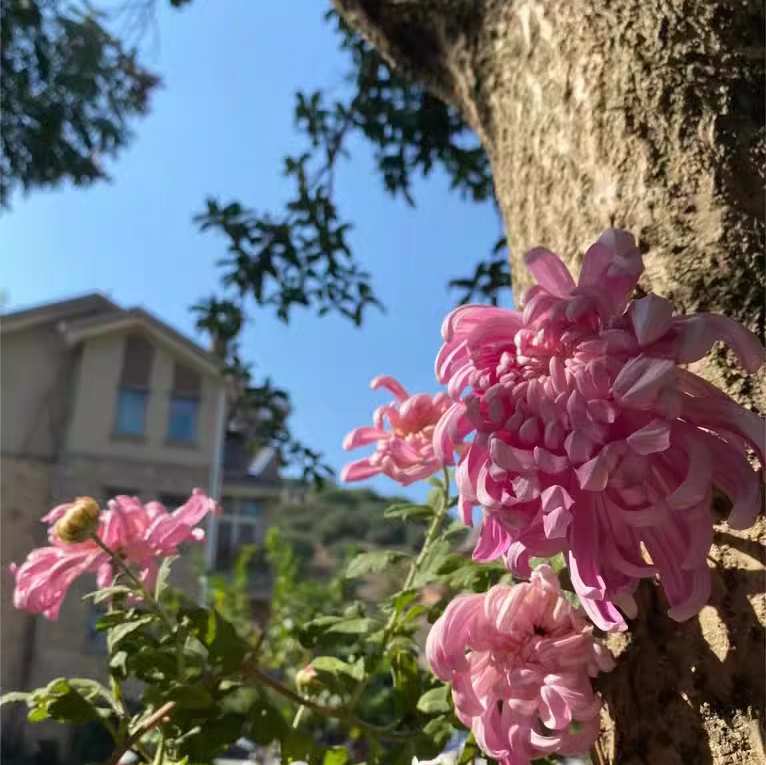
79,521
306,680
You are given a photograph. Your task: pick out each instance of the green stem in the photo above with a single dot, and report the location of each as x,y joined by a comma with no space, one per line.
159,756
415,566
149,599
259,676
298,716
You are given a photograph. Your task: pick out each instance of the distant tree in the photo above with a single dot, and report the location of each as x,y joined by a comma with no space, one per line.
335,519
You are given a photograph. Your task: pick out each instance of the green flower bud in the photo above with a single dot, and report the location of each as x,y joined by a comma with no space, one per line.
307,682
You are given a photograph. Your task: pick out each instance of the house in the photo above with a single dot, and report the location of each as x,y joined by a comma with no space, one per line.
98,400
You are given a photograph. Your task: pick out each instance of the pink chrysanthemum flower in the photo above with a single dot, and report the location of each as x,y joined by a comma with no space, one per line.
590,438
406,451
520,660
139,533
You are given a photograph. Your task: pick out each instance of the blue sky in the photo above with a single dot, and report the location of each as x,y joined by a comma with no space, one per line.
220,126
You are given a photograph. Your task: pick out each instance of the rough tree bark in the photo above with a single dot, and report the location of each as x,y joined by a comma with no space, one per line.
648,116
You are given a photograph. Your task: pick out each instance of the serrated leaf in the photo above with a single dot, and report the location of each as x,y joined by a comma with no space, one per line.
435,701
372,562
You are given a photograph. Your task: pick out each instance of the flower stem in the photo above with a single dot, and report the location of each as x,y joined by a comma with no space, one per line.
299,716
143,728
415,566
259,676
148,598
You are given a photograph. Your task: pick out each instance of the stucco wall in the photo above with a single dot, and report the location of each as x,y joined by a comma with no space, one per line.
35,366
91,429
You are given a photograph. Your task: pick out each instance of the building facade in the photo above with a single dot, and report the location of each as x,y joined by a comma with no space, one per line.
97,400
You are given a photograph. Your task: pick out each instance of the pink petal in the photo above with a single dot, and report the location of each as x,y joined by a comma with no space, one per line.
510,457
652,317
697,334
384,381
652,438
359,470
549,271
641,380
696,484
363,436
554,711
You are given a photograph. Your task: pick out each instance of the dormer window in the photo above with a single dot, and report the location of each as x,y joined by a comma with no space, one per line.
184,406
133,392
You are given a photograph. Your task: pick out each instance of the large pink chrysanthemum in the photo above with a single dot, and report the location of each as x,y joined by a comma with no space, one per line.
590,438
139,533
520,658
406,451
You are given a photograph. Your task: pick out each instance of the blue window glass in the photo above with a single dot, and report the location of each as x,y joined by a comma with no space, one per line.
251,509
182,427
131,411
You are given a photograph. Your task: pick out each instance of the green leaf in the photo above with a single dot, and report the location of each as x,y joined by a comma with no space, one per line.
267,723
406,677
162,576
108,592
337,675
408,511
120,631
13,697
470,751
413,613
191,697
297,745
63,702
338,755
557,562
402,600
224,646
212,737
435,701
359,626
372,562
437,732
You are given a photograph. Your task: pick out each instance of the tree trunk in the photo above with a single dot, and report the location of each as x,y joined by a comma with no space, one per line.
647,116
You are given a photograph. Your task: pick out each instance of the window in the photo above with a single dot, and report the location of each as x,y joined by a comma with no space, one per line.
182,427
131,411
241,524
184,405
133,393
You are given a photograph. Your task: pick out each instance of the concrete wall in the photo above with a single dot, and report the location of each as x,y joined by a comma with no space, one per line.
91,430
